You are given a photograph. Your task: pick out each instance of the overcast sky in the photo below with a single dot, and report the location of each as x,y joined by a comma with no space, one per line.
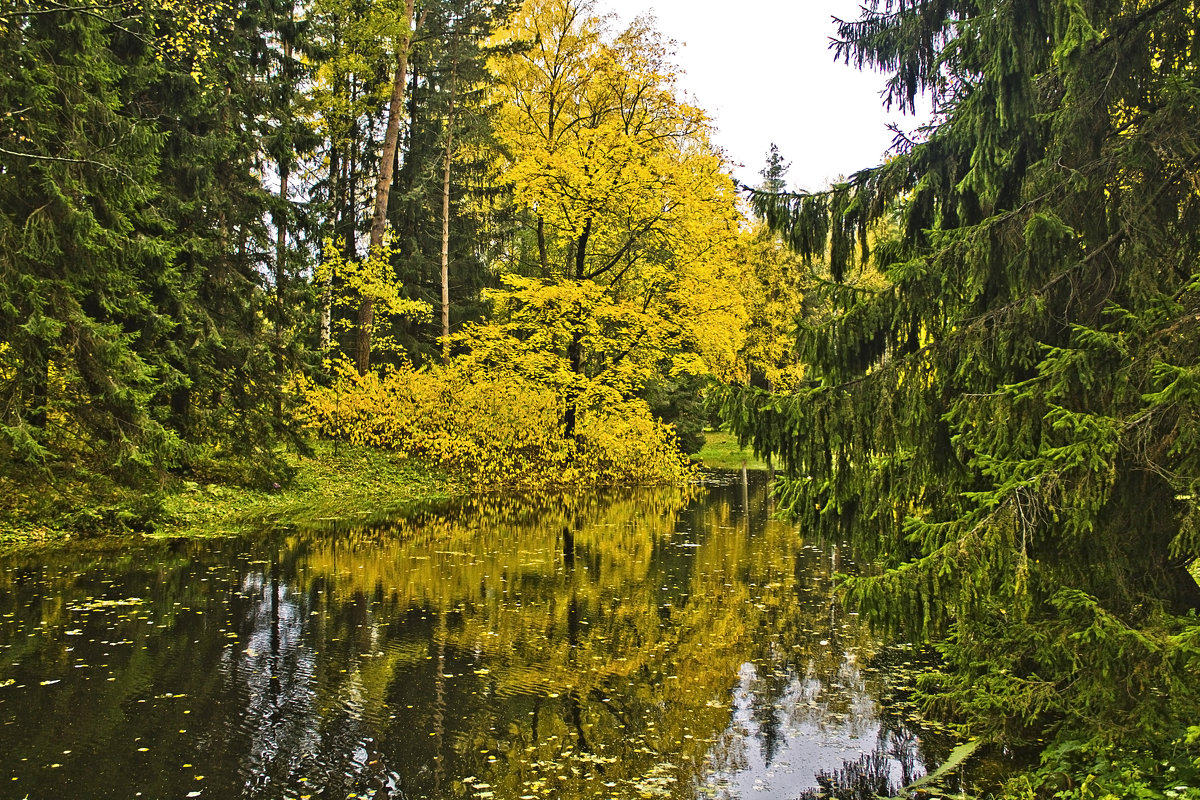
764,72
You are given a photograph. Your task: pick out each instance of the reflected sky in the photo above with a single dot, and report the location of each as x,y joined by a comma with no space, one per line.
677,643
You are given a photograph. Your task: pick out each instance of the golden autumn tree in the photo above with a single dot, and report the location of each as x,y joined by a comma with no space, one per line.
629,220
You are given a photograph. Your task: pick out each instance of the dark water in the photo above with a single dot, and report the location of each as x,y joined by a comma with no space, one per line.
627,645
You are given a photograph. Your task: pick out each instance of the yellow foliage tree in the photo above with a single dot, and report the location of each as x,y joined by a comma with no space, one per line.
368,280
774,285
627,206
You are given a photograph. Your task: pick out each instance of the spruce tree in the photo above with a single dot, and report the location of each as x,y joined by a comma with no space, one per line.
774,174
1007,428
133,243
231,343
77,176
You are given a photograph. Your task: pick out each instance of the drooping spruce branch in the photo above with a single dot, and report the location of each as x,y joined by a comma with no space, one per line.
1004,426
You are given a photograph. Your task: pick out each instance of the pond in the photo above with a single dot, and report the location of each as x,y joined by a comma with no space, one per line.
678,643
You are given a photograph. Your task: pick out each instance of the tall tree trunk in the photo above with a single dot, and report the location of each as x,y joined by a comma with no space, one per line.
575,350
281,234
285,163
581,251
281,229
37,378
281,226
446,217
327,287
387,162
575,356
541,242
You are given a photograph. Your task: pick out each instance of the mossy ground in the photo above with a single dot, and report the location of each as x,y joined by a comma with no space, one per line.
722,451
55,503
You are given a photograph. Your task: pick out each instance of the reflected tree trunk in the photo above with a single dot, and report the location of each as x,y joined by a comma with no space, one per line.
568,548
439,706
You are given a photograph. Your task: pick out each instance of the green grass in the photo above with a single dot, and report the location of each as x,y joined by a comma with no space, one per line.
721,451
334,483
50,504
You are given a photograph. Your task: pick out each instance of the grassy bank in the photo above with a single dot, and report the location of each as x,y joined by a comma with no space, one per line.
336,482
52,504
722,451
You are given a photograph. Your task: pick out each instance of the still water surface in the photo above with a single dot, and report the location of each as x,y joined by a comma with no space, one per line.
677,644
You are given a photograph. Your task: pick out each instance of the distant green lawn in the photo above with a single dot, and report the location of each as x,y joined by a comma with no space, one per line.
721,451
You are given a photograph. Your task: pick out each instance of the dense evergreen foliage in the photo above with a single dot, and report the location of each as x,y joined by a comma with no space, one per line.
133,324
1007,425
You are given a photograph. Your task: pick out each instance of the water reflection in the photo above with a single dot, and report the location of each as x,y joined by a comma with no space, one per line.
635,644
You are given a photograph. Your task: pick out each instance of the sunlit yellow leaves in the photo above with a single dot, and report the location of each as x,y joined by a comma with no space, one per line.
184,31
188,31
632,204
372,278
498,428
596,136
773,283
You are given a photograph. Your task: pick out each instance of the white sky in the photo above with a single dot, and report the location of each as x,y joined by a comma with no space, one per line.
764,72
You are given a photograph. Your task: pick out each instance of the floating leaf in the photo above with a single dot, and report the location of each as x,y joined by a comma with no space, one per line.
98,604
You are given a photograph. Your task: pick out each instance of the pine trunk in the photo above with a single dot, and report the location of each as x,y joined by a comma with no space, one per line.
387,162
327,285
446,221
575,350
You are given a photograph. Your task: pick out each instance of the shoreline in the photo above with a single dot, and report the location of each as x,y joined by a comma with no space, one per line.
335,479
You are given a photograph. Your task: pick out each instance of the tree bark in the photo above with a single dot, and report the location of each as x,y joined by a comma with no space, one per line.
581,252
37,374
575,356
575,350
446,217
387,162
541,242
327,287
281,219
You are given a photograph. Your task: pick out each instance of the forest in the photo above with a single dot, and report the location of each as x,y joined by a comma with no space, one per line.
494,240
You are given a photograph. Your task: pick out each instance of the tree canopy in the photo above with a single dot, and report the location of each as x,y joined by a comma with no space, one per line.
1007,424
623,202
